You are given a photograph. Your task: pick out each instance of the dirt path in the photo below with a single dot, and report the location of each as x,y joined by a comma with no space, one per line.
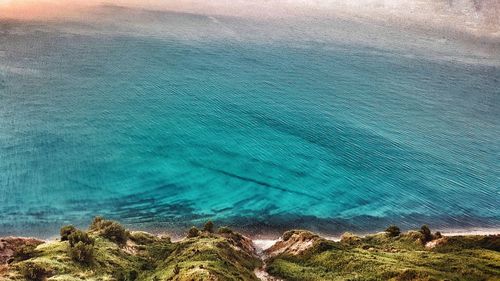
261,273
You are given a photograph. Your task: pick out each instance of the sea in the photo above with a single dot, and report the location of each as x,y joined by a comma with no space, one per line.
163,120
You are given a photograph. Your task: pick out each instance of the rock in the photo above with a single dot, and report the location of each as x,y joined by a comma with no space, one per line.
432,244
293,242
10,245
349,238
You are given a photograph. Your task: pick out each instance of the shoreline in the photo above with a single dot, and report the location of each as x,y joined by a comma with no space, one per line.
264,241
106,250
337,237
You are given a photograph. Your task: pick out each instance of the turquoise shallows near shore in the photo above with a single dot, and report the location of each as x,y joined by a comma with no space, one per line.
171,119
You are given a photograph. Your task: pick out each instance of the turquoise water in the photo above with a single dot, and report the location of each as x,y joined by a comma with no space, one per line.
170,128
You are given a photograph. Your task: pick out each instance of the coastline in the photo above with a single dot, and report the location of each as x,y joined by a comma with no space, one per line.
263,243
265,239
108,251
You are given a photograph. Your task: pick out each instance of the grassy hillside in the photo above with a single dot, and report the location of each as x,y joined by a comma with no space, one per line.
108,252
385,256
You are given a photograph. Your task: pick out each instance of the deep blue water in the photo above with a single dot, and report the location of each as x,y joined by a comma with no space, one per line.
169,131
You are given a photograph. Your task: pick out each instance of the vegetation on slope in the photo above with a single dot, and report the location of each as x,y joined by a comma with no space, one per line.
415,255
108,252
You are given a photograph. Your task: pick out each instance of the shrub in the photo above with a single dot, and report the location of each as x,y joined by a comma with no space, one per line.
79,236
224,230
82,252
426,232
97,223
115,232
24,253
393,231
33,272
438,235
209,227
66,231
193,232
110,230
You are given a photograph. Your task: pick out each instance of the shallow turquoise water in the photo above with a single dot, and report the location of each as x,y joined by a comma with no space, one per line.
168,131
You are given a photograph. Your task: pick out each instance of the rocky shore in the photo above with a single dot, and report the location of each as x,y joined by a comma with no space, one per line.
107,251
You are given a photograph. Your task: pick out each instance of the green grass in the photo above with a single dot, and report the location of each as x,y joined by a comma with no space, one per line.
230,256
379,257
206,257
145,257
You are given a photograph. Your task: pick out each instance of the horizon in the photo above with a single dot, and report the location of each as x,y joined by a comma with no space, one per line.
478,18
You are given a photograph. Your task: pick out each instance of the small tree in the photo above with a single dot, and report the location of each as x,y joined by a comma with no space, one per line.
393,231
193,232
426,232
66,231
209,227
438,235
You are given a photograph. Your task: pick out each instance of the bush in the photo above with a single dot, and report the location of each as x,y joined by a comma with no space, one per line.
33,272
224,230
209,227
81,246
393,231
66,231
193,232
115,232
426,232
79,236
438,235
82,252
97,223
110,230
